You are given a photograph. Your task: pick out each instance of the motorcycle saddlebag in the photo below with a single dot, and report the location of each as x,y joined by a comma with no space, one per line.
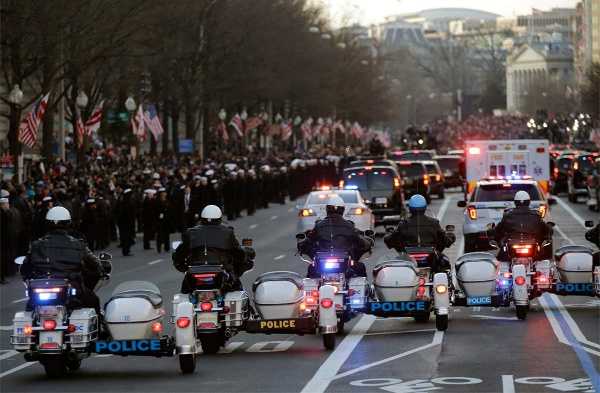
396,280
575,264
476,273
132,309
278,295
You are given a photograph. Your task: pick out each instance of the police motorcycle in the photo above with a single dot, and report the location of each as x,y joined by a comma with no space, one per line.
404,285
577,275
59,334
211,314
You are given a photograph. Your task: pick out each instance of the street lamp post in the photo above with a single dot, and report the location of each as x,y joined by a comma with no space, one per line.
15,97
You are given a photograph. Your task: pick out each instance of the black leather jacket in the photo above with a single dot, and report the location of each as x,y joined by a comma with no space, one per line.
522,221
419,230
334,231
593,235
60,255
213,244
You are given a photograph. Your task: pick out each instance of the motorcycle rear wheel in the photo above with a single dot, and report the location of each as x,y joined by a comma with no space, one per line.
422,318
441,322
54,365
522,312
329,341
187,363
211,343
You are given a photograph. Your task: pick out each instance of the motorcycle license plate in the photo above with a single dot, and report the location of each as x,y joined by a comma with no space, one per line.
479,301
207,320
380,201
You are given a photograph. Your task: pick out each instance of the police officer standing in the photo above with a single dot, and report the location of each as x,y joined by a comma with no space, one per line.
149,215
164,221
126,222
89,224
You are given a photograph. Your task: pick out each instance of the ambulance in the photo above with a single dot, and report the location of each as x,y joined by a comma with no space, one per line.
508,159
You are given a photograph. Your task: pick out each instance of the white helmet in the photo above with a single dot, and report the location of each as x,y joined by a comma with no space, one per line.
335,204
211,213
522,198
58,214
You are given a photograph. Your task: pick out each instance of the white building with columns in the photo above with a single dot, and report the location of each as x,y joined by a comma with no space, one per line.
531,65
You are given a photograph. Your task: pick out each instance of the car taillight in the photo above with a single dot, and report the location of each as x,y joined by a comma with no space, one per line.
306,213
183,322
474,151
520,280
555,173
472,211
157,327
341,184
357,211
49,324
397,183
543,209
438,178
426,180
206,306
326,303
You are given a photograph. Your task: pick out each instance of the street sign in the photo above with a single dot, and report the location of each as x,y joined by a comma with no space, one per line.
186,146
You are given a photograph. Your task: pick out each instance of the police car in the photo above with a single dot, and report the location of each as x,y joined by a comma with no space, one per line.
488,201
314,209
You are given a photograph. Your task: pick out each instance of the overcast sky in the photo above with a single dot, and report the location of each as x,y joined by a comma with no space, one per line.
372,11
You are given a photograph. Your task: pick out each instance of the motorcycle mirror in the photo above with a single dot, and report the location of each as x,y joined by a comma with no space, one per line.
104,256
450,228
247,242
550,223
551,201
300,236
369,233
494,245
19,260
546,243
589,224
175,244
491,226
461,203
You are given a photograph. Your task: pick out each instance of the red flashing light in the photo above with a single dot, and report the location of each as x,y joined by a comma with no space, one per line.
157,327
520,280
49,324
326,303
183,322
206,306
71,328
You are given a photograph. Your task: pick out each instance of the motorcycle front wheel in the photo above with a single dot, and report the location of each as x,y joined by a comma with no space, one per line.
187,363
211,343
329,341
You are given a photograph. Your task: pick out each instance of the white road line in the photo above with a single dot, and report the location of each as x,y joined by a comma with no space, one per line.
442,211
561,233
508,384
400,332
274,217
9,354
155,262
326,373
20,300
253,226
572,324
291,209
278,257
494,317
18,368
572,212
437,340
232,346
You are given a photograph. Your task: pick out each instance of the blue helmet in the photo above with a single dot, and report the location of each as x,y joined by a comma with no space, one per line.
417,203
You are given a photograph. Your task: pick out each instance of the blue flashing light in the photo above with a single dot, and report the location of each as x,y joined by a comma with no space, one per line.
351,187
45,296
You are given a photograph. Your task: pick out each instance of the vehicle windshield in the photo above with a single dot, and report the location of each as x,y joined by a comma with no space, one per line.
410,170
449,164
586,164
564,163
503,192
412,155
370,180
321,198
431,169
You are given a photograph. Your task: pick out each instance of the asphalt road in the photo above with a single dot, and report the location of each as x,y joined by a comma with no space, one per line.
557,349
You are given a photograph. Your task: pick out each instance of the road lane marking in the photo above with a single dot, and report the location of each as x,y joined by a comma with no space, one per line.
572,324
400,332
437,340
508,384
326,373
566,336
442,211
9,354
253,226
155,262
273,218
564,236
572,212
6,328
20,300
232,346
494,317
15,369
278,257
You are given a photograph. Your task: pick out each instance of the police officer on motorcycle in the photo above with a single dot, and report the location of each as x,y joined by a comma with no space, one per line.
335,232
593,236
213,243
523,221
60,255
420,230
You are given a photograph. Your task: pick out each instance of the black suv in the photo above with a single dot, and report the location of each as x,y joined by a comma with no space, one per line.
560,172
381,188
415,178
582,166
453,168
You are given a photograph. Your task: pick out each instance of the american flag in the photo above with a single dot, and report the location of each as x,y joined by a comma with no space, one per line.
28,129
338,125
253,122
137,124
93,123
306,128
236,123
80,128
357,130
222,130
286,130
153,122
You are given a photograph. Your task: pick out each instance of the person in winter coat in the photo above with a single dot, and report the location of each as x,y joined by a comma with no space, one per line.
126,222
164,221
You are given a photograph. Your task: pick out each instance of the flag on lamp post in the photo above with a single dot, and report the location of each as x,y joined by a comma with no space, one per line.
28,129
93,123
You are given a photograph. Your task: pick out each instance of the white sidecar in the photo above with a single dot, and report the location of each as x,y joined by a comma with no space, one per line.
279,295
476,274
577,274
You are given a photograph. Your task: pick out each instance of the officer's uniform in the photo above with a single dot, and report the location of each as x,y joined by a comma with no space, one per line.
522,220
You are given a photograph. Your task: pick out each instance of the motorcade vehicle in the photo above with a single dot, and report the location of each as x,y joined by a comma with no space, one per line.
560,167
453,168
381,189
582,166
436,178
411,155
594,187
356,209
415,179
